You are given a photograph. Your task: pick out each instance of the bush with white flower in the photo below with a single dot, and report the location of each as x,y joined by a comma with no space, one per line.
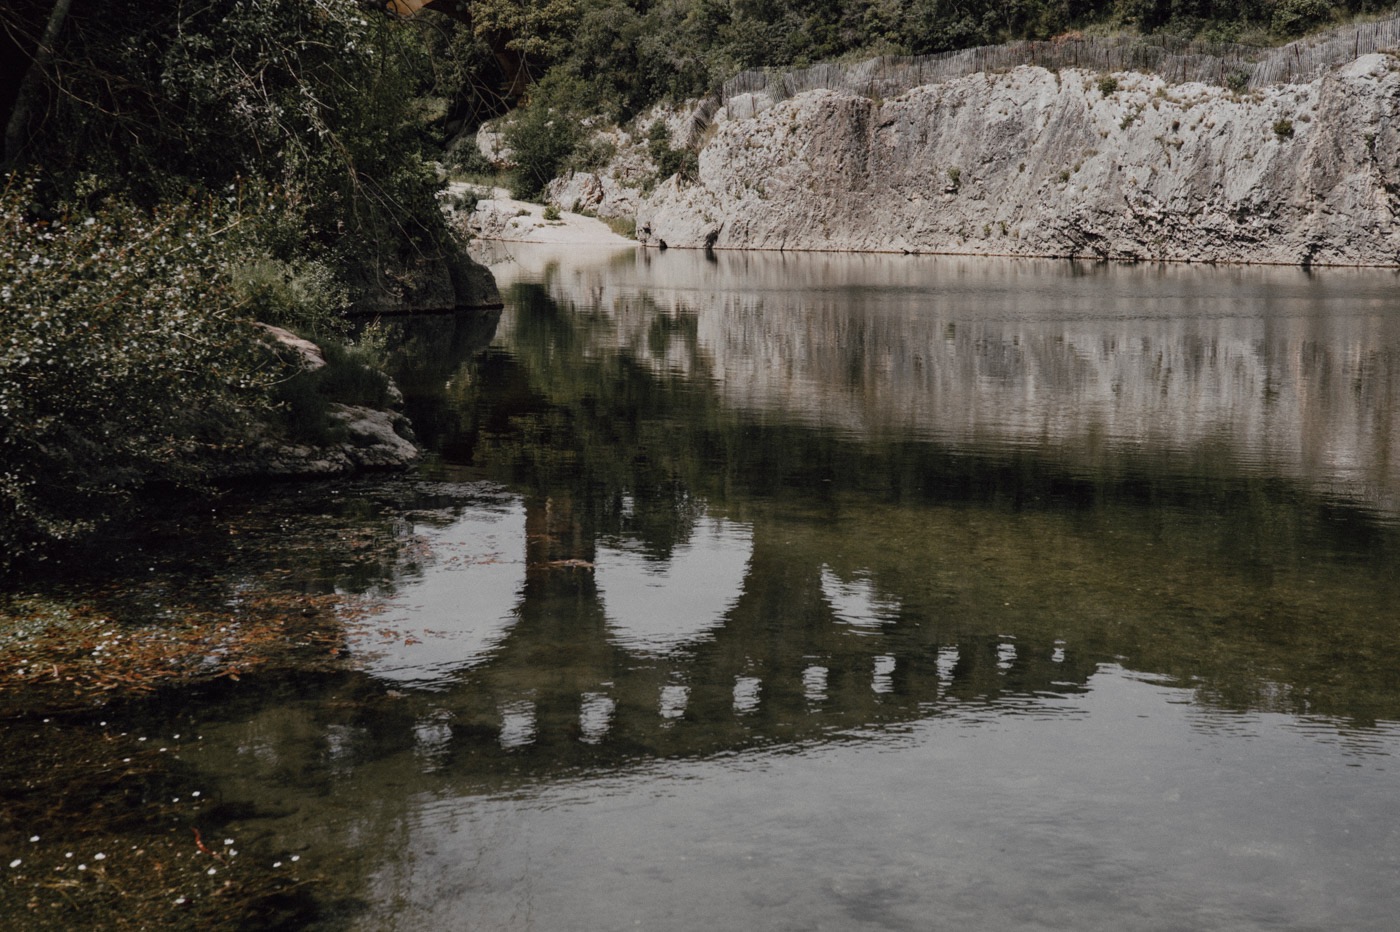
123,358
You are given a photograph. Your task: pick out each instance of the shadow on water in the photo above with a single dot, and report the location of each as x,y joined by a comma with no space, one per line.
681,514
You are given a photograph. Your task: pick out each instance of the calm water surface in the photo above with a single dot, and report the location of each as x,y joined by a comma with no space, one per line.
764,592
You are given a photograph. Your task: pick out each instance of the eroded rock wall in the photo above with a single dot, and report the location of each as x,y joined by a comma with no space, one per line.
1037,163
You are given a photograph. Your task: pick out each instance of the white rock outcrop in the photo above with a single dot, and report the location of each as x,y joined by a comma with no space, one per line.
1032,162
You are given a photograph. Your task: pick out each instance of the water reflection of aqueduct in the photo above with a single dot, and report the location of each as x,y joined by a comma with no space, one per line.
799,649
780,650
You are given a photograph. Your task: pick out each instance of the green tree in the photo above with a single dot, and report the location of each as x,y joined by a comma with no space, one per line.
544,133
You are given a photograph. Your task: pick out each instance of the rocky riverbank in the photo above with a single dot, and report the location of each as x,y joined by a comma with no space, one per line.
354,438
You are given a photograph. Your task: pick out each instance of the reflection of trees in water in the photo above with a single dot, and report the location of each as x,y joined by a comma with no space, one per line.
1003,577
1262,370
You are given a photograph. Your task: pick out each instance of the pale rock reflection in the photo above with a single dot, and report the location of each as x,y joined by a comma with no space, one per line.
747,690
673,701
595,717
654,606
882,680
462,603
1006,655
517,723
814,680
947,662
856,603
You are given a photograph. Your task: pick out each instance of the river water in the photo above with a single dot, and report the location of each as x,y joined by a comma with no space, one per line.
830,592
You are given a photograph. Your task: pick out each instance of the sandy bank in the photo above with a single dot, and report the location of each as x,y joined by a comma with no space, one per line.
499,217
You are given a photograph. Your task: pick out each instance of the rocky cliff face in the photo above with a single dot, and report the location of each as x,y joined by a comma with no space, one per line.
1032,162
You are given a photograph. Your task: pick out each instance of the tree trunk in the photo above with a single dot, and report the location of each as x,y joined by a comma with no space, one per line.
16,135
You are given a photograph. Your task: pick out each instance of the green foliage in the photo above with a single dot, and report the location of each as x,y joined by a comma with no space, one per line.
632,54
669,160
325,100
545,133
536,28
203,164
466,158
592,154
1292,18
1108,85
939,25
622,226
301,294
463,200
551,213
1283,129
351,376
123,359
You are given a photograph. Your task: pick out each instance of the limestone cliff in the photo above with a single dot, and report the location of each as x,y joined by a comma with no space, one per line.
1033,162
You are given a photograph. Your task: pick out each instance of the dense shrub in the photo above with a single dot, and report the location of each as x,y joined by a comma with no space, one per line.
123,359
328,102
544,134
1292,18
669,160
305,295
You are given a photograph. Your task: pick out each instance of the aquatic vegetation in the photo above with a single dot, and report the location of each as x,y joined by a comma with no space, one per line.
55,655
107,829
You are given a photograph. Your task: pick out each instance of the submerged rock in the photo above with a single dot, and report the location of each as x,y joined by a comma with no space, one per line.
1033,162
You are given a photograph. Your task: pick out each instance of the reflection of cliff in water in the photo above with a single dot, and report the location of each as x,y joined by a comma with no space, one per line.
1265,371
1245,586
